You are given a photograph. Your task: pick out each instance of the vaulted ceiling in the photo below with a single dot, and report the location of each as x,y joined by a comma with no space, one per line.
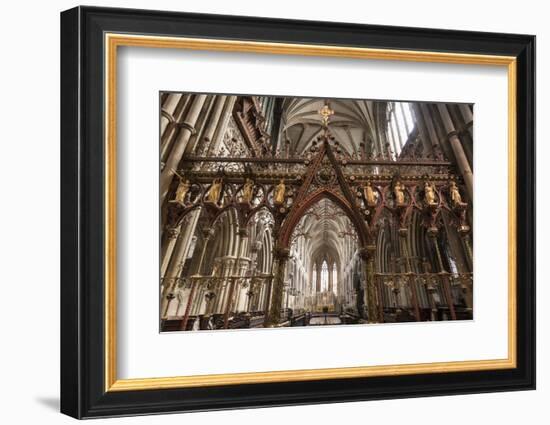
353,122
327,228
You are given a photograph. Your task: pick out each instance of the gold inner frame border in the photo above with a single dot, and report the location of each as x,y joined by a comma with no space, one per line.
113,40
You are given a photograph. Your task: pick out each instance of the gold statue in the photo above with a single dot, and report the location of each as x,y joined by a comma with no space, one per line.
215,190
370,195
325,113
248,190
181,191
429,194
456,199
279,195
398,191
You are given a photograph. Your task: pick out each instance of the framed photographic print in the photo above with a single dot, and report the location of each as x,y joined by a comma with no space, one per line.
261,212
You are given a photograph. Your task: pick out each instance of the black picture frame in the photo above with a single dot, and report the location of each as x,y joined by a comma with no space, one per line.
83,392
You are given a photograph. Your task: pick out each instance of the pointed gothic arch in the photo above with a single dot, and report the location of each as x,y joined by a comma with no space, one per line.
337,190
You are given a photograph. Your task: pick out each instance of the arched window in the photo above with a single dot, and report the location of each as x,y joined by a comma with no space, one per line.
324,276
400,125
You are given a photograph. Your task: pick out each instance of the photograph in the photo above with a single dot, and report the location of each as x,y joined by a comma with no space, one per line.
278,210
281,212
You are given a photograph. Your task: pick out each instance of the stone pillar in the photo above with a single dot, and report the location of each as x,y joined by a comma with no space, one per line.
455,238
437,147
214,120
251,294
177,260
466,288
204,118
168,108
330,283
465,237
280,260
237,272
430,288
227,264
266,301
167,248
172,258
468,117
367,254
208,233
171,131
380,297
382,142
318,279
222,125
444,276
458,150
424,134
187,129
403,233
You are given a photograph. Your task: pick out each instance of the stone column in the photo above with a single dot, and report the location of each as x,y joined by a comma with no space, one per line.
430,288
428,122
444,276
458,150
237,272
177,259
455,238
424,134
168,108
266,301
171,132
330,273
381,141
251,300
222,125
318,279
379,298
204,118
227,264
468,117
280,260
465,237
172,257
466,288
367,254
214,120
403,233
208,233
167,248
187,129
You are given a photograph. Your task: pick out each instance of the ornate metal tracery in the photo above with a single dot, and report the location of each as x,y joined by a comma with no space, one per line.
372,189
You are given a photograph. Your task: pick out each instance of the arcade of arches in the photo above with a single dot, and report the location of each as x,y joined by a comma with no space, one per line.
281,211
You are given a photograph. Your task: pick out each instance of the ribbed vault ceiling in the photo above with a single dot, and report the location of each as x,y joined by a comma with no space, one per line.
353,122
326,226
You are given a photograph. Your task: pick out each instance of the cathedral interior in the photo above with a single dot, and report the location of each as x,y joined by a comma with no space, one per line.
287,211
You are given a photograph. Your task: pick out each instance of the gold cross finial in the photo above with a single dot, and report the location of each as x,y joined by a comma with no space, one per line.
325,113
